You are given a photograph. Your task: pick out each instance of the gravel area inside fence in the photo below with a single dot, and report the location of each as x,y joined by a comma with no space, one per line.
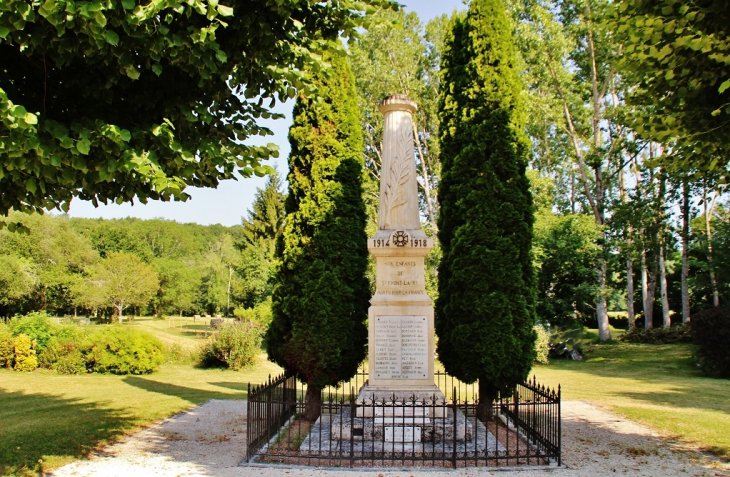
209,440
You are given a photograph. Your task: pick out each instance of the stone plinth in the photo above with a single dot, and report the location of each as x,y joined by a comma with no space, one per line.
403,429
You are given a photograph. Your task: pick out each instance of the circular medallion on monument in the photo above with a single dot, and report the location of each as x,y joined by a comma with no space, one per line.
400,238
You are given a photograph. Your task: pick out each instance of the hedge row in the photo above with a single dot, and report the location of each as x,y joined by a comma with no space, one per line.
34,341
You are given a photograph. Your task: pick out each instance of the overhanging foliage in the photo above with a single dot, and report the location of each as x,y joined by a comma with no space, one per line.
112,100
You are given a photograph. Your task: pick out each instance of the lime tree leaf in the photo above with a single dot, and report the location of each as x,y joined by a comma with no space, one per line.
83,146
131,71
225,11
724,86
111,37
30,184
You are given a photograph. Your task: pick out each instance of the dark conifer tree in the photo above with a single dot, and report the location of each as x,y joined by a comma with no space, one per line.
266,218
485,309
321,294
257,244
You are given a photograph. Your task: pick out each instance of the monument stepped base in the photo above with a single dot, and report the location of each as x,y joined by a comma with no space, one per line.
412,400
413,429
322,443
412,415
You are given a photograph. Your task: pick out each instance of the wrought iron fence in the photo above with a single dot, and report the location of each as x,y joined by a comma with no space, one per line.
270,405
523,429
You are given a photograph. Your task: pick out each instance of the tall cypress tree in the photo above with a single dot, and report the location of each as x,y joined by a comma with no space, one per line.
321,294
485,309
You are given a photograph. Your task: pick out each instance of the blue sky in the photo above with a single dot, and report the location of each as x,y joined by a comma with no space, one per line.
231,200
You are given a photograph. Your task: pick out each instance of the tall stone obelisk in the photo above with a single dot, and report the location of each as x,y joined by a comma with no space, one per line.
401,333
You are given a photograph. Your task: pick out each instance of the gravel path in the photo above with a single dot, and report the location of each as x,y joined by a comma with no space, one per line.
209,441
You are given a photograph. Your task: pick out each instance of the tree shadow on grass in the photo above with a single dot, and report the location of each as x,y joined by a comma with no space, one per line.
669,367
242,387
192,395
37,426
681,397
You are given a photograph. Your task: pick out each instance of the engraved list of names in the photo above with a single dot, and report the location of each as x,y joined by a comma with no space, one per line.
401,347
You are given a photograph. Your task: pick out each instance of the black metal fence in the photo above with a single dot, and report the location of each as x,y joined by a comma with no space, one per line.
523,428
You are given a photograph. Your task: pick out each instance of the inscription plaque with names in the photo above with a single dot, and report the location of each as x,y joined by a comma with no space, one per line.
402,434
401,347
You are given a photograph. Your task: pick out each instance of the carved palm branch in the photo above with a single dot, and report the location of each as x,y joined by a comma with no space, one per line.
394,194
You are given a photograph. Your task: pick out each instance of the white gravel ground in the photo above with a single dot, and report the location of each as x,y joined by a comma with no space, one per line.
209,441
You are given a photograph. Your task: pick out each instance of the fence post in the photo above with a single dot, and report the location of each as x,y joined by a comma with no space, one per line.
560,430
248,423
455,409
353,411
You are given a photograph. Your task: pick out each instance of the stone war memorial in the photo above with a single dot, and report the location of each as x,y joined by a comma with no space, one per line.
399,413
400,407
401,333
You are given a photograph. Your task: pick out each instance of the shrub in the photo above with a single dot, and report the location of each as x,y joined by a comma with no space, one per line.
25,358
7,349
234,345
64,355
711,330
542,345
261,313
122,350
674,334
37,326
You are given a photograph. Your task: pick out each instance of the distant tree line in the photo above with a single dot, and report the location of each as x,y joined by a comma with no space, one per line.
113,268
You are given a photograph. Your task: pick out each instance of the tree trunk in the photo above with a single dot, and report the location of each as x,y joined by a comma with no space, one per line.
121,316
424,172
646,299
604,332
651,294
685,252
630,294
666,319
631,315
313,403
486,401
710,261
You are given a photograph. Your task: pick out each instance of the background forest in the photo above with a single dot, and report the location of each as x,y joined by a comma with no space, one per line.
621,215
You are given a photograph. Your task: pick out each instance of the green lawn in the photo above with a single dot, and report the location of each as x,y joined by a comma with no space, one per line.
185,331
56,419
658,385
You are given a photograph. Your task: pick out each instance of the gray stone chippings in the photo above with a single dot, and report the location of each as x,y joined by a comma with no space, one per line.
321,441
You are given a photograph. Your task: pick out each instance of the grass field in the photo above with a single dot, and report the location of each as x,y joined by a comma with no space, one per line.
47,419
56,419
658,385
185,331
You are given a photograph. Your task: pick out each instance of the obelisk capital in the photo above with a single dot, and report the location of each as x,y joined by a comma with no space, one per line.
398,102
